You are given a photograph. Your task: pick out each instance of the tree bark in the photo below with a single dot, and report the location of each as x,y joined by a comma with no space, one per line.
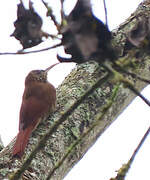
1,144
88,101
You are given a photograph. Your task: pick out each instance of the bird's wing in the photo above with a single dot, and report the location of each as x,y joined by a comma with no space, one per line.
31,110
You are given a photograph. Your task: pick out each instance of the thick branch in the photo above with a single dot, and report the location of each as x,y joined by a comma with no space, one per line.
88,102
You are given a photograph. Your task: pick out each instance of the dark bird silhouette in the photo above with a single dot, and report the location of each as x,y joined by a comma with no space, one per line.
28,26
39,99
85,37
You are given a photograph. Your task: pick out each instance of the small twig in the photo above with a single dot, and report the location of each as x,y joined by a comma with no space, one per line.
119,68
125,167
62,11
105,9
29,52
137,77
50,13
126,82
139,145
45,34
135,91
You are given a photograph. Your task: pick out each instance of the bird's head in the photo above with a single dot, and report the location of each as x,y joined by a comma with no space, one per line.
38,75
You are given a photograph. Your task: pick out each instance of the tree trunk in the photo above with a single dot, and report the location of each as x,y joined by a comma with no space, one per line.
1,144
88,101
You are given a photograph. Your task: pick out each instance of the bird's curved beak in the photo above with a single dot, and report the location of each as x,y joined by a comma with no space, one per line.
47,69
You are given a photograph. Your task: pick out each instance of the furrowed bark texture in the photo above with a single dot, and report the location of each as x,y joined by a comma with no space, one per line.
1,144
88,101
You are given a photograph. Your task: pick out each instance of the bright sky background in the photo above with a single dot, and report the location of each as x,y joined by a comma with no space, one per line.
118,142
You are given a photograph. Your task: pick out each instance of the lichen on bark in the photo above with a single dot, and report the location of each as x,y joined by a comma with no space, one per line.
88,101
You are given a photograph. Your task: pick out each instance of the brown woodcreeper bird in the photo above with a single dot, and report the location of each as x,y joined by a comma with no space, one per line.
39,98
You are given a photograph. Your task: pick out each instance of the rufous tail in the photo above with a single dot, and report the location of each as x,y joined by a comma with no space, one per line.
21,142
